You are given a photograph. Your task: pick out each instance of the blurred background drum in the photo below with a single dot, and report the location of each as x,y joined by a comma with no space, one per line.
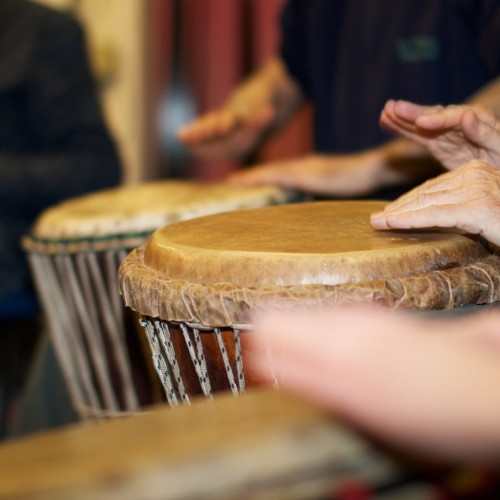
75,249
196,282
261,446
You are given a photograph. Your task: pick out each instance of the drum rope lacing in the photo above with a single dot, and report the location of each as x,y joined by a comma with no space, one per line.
167,367
159,363
81,300
198,359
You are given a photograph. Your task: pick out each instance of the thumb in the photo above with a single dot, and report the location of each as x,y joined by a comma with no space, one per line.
262,118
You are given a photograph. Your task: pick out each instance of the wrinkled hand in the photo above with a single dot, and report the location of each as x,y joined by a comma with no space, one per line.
454,135
427,385
226,134
346,175
467,199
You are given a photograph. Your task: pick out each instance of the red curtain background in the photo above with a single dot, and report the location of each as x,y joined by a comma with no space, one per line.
216,44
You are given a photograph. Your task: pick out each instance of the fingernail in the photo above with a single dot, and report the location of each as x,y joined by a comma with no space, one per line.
378,220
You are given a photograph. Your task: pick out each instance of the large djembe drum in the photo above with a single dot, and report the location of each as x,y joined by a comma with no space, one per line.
75,249
195,282
265,445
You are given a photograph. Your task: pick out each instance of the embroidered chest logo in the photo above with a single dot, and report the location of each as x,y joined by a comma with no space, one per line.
418,49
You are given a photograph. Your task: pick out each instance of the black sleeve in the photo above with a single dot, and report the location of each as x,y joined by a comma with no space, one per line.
70,149
489,37
293,48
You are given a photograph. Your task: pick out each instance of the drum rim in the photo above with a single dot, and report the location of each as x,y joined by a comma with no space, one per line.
58,222
35,244
152,295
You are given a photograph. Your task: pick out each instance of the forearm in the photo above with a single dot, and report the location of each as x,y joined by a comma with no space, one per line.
488,96
404,161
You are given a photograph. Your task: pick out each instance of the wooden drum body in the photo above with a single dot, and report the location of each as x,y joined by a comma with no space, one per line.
195,282
75,249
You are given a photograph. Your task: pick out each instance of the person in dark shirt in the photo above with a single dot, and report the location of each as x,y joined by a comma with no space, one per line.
347,58
54,143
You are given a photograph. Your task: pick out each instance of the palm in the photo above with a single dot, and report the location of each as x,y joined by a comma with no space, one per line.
452,148
454,135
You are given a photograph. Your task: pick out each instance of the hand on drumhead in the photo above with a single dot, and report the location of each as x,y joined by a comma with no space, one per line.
454,135
467,199
226,134
426,385
330,175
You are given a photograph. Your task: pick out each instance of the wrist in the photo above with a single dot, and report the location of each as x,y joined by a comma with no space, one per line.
401,149
404,161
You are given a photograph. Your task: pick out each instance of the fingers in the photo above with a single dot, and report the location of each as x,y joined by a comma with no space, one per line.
257,175
392,122
415,382
208,127
440,202
449,181
226,135
406,113
443,216
410,112
467,199
307,173
446,208
439,118
292,340
425,117
477,123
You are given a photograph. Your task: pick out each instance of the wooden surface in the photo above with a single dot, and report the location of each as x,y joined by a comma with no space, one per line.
260,445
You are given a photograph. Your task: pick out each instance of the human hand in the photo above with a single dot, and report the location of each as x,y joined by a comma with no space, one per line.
331,175
454,135
467,198
423,384
226,134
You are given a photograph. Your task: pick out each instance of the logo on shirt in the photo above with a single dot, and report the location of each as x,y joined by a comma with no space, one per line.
418,49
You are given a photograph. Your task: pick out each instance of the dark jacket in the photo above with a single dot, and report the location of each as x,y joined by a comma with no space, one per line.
54,143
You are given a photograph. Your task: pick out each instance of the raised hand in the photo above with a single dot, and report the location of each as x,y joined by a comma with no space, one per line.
430,386
226,134
454,135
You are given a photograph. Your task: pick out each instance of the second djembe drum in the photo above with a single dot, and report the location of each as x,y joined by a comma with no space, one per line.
75,249
195,282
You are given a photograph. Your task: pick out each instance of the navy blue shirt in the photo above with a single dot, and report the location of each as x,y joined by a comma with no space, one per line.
350,56
54,143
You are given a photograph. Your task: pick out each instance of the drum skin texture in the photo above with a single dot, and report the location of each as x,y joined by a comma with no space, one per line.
214,270
130,212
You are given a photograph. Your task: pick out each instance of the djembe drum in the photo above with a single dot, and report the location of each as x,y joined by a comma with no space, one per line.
195,282
265,445
75,249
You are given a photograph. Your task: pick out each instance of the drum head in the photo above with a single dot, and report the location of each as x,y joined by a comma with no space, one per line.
312,252
129,211
302,244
